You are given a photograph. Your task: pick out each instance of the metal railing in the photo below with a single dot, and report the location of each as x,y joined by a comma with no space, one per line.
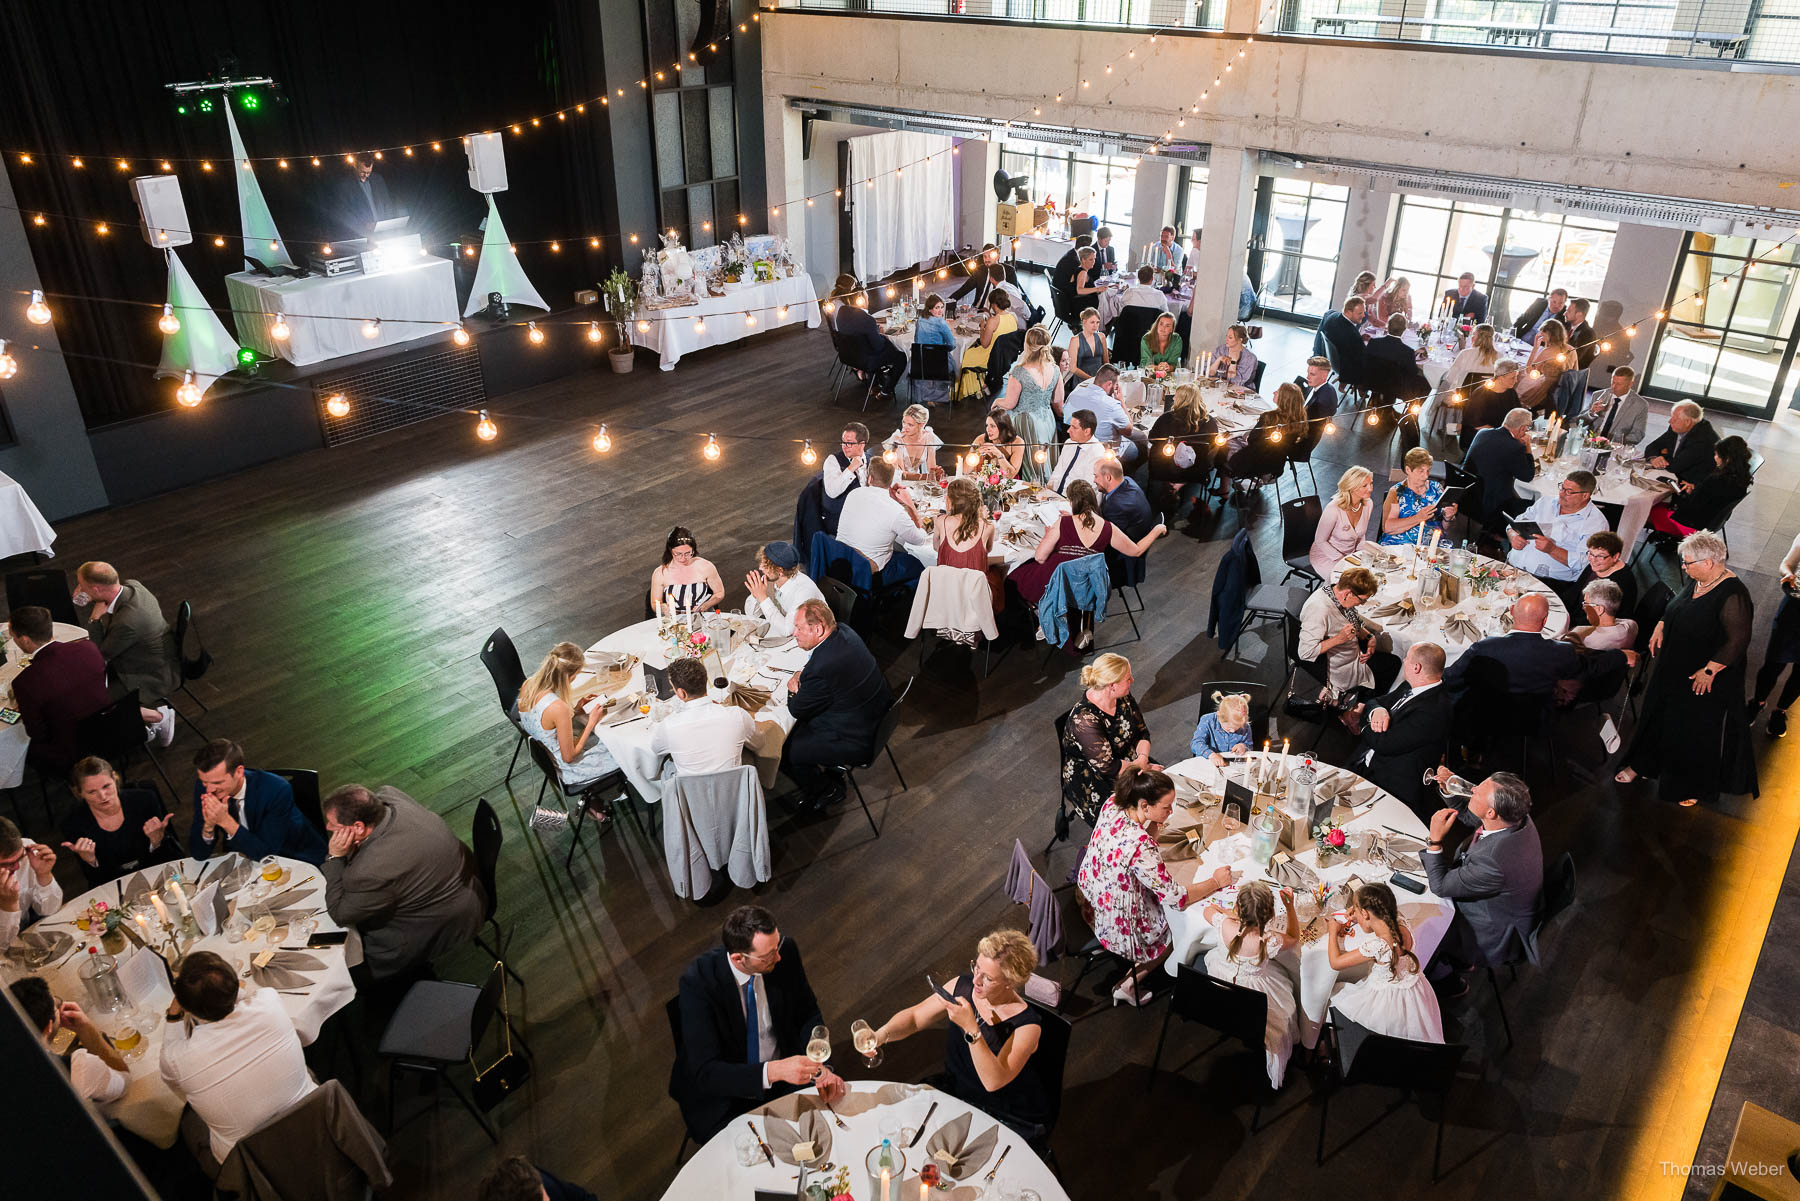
1123,14
1746,30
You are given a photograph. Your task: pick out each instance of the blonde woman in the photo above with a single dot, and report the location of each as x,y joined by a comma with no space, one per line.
1395,297
1344,525
1181,448
1550,357
1034,394
988,1055
1251,934
1364,290
1477,358
915,444
1224,731
548,715
1105,733
1087,351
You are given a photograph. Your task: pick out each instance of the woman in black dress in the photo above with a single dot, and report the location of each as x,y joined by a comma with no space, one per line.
1693,737
1784,650
990,1057
115,829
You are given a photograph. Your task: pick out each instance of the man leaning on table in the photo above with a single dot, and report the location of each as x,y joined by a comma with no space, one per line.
28,887
746,1014
1494,881
1100,396
701,737
237,808
878,518
1566,517
96,1070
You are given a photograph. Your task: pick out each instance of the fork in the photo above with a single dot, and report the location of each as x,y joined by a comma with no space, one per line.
841,1124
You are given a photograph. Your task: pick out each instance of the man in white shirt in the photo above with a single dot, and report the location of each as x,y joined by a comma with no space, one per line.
28,887
1142,293
699,736
1112,425
1080,454
97,1071
778,588
235,1059
877,517
1165,254
1567,518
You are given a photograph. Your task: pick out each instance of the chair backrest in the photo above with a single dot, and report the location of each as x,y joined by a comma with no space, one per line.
930,362
320,1148
501,659
890,721
305,783
1004,353
1053,1057
194,668
1649,612
1256,375
1299,525
115,733
840,596
546,763
1231,1009
672,1011
1559,890
491,1001
1571,389
485,833
1259,703
46,586
1387,1061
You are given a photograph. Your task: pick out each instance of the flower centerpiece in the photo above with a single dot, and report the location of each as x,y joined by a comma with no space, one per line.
1161,371
1484,576
832,1188
992,485
1331,840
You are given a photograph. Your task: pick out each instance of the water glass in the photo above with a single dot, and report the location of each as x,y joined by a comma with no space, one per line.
301,929
749,1151
237,926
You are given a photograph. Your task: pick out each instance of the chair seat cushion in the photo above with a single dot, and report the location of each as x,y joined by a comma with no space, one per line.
1302,563
432,1022
1276,598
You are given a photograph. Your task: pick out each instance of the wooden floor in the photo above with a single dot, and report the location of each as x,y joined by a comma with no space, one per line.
346,595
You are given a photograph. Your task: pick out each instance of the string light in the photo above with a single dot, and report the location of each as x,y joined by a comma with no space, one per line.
38,220
972,460
1169,449
188,394
338,405
169,323
711,450
9,366
1374,417
279,331
887,456
750,320
485,429
808,455
371,328
1631,331
699,325
37,312
1330,428
602,440
1038,455
219,242
460,335
594,334
643,326
533,333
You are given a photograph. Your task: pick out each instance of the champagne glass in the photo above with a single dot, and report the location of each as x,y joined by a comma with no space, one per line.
865,1041
818,1046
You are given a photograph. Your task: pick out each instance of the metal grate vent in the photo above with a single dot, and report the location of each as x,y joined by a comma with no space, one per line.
401,392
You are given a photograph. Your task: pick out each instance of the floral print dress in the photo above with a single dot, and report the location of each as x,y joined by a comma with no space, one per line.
1095,745
1124,879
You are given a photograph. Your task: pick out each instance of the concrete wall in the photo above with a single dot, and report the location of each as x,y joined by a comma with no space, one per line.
1637,281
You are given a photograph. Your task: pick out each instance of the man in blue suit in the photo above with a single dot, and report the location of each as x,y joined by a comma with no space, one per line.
250,812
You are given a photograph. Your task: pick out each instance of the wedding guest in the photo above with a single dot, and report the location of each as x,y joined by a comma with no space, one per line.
1250,939
990,1048
552,715
1344,524
1161,344
1086,283
1686,447
247,811
978,284
1181,451
1550,357
701,737
1234,361
1486,405
236,1060
125,621
1106,259
115,829
1340,330
1494,880
1605,629
1004,281
1144,293
845,468
777,588
1034,396
1263,450
1783,650
1321,398
1566,519
1477,358
999,445
1543,309
518,1179
1165,255
1394,300
1391,360
866,347
685,582
97,1071
1393,998
915,444
1081,531
1523,663
1706,504
1122,502
878,518
1404,732
1606,561
1582,342
964,537
1112,424
837,700
1465,301
1364,289
1330,628
1088,351
1224,731
1410,513
1076,461
1499,458
1104,734
64,683
28,886
932,330
1124,880
1616,412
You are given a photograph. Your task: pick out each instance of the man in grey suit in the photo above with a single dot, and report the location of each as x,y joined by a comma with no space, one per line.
1494,881
1617,411
127,625
396,873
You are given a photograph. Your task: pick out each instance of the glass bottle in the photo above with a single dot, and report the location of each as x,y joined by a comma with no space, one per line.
99,973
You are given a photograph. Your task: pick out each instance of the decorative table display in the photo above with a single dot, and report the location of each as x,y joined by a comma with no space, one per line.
1445,595
686,300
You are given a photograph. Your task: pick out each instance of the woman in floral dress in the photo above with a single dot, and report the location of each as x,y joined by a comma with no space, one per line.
1126,882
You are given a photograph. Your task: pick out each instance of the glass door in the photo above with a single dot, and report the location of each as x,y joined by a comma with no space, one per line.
1730,336
1296,233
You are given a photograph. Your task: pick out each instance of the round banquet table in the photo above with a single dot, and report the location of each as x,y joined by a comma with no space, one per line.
14,741
715,1173
1235,409
1634,499
1019,528
902,338
1428,622
1309,966
313,983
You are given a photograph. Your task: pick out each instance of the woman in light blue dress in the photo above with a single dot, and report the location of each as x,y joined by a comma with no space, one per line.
1411,512
549,717
1034,391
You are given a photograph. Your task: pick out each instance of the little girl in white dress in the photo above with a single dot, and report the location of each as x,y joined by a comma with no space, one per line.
1246,955
1394,998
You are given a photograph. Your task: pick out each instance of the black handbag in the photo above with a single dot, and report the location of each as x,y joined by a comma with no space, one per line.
492,1083
1301,708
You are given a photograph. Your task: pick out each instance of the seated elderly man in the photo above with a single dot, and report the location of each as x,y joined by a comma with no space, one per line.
1499,458
1686,447
1079,455
1100,396
877,518
1331,629
701,737
1505,678
837,701
1565,519
1494,881
125,621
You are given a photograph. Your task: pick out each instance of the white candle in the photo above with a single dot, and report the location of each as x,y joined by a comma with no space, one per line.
924,1191
181,900
143,925
885,1173
162,911
1284,756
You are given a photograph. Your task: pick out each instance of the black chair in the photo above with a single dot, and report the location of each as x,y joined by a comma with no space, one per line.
1455,476
1386,1061
852,366
439,1025
1648,614
501,659
1557,896
191,668
547,766
840,596
884,731
1259,704
1128,330
1067,814
44,586
1256,375
485,833
1317,669
1231,1009
1128,572
116,734
305,783
1052,1056
1300,453
678,1070
932,364
1265,602
1299,526
1001,356
1090,953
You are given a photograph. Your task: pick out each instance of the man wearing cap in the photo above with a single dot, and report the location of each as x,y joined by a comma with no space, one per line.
778,588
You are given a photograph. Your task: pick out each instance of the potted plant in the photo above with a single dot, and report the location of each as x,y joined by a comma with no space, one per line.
735,270
620,293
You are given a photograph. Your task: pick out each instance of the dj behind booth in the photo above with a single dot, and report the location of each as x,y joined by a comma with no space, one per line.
315,311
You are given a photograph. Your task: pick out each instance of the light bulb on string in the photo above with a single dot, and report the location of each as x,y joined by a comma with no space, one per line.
1039,455
371,328
1605,346
338,405
485,429
219,242
169,323
603,440
37,312
594,334
9,366
643,327
1169,449
782,312
1631,331
711,449
534,334
280,331
1374,417
1412,410
887,456
749,320
699,325
1330,428
460,335
972,460
808,455
188,394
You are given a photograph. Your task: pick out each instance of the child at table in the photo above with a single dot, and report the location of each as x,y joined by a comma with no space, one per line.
1246,956
1224,731
1394,998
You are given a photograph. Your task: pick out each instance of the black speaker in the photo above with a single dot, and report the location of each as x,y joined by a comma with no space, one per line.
714,29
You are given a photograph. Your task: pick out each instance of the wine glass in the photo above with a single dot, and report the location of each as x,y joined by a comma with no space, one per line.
863,1038
818,1045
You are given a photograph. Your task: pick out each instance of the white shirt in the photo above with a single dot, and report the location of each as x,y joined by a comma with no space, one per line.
93,1079
703,737
1145,295
837,479
872,521
1569,531
239,1072
1075,462
794,591
1111,421
1020,306
765,1033
34,898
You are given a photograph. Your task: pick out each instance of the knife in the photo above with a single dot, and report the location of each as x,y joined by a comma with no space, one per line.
767,1154
920,1132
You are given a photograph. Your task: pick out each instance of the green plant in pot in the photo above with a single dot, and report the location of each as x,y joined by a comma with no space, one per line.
620,291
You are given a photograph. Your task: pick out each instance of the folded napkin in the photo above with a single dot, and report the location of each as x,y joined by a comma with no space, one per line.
958,1155
1461,628
1651,483
281,969
232,874
139,887
792,1140
32,949
1293,874
1173,845
1401,607
1395,851
749,699
1361,794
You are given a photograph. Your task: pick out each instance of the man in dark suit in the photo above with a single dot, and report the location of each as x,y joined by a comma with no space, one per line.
1062,275
1506,676
1544,308
866,347
1500,456
747,1013
250,812
1106,259
363,199
1495,881
1393,366
1321,397
1122,502
1581,334
978,285
1343,331
127,625
1405,731
63,683
1686,447
836,700
1466,301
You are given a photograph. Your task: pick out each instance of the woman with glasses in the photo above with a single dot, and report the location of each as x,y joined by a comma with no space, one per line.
685,583
1693,738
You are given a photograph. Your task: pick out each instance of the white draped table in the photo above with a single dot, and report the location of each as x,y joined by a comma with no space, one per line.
674,332
22,527
14,741
1309,965
1018,530
1428,620
325,314
1616,488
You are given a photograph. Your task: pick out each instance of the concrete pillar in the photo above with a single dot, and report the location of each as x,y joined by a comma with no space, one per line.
1152,207
1637,282
1230,200
975,194
1368,220
785,171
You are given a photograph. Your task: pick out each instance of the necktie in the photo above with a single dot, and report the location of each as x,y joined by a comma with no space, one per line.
753,1053
1069,470
1612,411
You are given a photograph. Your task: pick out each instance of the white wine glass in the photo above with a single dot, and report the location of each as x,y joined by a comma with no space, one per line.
863,1038
818,1046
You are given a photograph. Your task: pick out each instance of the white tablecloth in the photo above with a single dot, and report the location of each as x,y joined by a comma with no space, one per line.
148,1107
628,741
14,742
1427,624
1438,361
1112,301
714,1174
1042,252
1309,966
1615,488
672,332
22,527
1146,400
903,340
1027,519
325,315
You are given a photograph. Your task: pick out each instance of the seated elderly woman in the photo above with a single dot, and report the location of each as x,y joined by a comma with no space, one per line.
1330,628
1605,629
913,447
1410,514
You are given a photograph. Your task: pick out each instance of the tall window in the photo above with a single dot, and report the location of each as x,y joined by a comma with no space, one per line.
1191,213
694,125
1297,233
1515,256
1099,186
1731,331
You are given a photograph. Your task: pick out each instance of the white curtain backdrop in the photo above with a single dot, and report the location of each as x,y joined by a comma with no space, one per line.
904,219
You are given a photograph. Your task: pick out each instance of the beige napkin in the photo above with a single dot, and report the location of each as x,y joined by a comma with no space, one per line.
958,1155
1400,608
749,699
1461,629
1174,845
784,1136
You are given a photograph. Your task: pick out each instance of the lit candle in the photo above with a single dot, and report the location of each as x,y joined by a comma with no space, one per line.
1284,756
162,911
885,1174
181,900
143,925
924,1191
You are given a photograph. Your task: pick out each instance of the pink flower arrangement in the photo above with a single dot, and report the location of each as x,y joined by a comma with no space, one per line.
1330,839
1161,371
1335,838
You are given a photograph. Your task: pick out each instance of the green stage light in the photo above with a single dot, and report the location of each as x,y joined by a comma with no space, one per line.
246,357
249,101
206,106
181,110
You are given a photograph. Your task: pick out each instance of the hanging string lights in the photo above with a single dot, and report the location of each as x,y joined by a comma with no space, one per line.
485,429
188,393
338,405
169,323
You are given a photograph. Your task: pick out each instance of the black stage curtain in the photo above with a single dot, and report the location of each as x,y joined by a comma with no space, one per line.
88,79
